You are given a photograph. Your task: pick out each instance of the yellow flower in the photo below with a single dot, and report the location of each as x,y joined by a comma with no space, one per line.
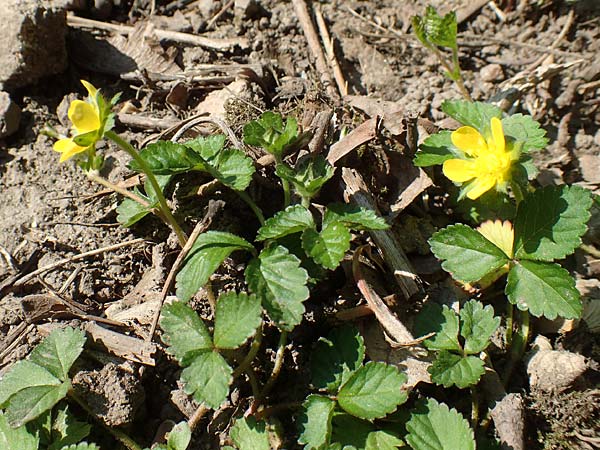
499,233
86,117
486,163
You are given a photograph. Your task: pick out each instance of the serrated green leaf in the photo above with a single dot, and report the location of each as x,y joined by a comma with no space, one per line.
81,446
179,437
270,133
354,217
184,332
543,289
308,176
551,221
208,378
477,325
436,149
58,351
526,130
167,158
328,246
442,321
433,426
31,402
465,253
237,316
474,114
16,438
248,434
278,280
336,357
24,374
373,391
382,440
450,369
349,431
315,423
291,220
130,212
435,29
207,254
67,430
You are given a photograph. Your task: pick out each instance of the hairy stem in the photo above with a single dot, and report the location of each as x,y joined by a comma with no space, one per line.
254,347
451,71
474,408
518,346
253,206
93,175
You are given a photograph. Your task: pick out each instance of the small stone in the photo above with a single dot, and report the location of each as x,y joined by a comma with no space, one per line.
492,73
10,115
590,168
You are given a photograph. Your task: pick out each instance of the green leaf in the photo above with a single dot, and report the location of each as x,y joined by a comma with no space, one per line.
86,139
278,280
179,437
230,166
473,114
16,438
308,176
67,430
237,316
349,431
167,158
81,446
434,29
382,440
207,254
32,402
373,391
465,253
354,217
551,221
58,351
442,321
336,356
183,332
291,220
270,133
526,130
248,434
543,289
433,426
328,246
130,212
477,325
450,369
208,378
23,375
436,149
315,423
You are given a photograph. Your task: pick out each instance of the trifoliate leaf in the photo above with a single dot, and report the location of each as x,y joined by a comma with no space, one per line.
278,280
248,434
474,114
270,133
442,321
67,430
16,438
450,369
58,351
465,253
551,221
308,176
32,402
349,431
183,332
179,437
81,446
315,423
336,357
328,246
237,316
354,217
208,378
291,220
436,149
373,391
477,325
382,440
167,158
433,426
543,289
526,130
207,254
434,29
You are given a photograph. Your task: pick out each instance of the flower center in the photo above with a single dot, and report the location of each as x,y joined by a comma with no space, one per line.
492,163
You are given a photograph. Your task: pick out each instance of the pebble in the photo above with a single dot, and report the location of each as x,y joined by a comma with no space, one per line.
10,115
492,73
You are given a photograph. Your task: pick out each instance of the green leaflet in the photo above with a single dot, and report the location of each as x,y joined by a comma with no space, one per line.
315,422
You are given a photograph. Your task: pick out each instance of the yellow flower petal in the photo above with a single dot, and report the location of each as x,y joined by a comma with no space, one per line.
498,135
469,140
68,148
84,117
501,234
92,91
459,170
480,186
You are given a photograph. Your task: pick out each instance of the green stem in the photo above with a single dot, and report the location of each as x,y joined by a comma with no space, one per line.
152,179
474,408
451,71
518,346
93,175
254,347
255,209
287,198
509,325
306,202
